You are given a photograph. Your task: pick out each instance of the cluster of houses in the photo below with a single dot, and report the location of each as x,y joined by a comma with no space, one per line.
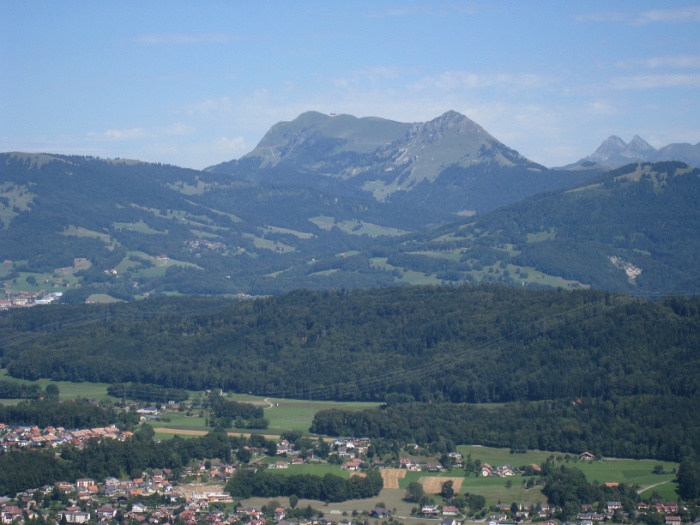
416,466
204,243
503,471
12,437
27,299
613,509
111,500
350,448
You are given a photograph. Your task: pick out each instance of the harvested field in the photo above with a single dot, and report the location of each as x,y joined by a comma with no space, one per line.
183,432
391,477
433,484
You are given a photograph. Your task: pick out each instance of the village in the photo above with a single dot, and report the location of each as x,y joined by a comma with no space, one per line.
196,495
26,299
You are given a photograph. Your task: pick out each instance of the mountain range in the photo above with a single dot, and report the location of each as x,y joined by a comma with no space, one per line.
615,152
332,201
450,164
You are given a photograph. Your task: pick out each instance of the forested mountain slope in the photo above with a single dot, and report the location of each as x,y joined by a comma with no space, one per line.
127,229
464,344
633,230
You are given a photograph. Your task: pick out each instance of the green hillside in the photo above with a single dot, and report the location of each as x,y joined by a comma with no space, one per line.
632,230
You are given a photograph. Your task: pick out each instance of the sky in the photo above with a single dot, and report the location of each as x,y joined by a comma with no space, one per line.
196,83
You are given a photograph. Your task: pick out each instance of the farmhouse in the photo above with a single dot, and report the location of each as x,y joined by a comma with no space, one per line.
380,513
450,510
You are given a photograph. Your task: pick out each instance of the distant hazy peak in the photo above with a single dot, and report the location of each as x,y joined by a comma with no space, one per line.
640,145
614,147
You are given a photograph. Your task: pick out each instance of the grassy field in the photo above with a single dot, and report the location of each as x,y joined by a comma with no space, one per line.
68,390
140,227
631,471
283,414
296,414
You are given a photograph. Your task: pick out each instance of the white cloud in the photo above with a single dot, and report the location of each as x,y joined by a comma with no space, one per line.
210,106
175,129
185,38
429,9
457,80
656,81
119,134
678,62
683,14
364,76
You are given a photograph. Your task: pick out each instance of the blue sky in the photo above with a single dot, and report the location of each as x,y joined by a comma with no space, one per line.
198,83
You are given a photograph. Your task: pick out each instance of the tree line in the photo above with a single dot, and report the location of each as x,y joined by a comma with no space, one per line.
227,413
263,483
16,390
631,427
79,413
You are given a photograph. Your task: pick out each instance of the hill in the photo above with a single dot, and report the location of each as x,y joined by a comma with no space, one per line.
125,228
633,230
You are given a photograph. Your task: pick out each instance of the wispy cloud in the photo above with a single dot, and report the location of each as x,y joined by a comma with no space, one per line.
656,81
428,9
175,129
682,14
369,75
185,38
119,134
452,80
677,62
210,106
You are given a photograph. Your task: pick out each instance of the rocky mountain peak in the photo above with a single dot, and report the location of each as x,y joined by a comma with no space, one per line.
638,148
449,122
611,147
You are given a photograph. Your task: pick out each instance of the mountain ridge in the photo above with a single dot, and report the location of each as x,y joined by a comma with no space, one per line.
615,152
449,163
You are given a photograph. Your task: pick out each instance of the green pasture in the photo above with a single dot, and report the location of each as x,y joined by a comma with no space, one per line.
103,298
629,471
68,390
267,244
205,235
286,231
179,420
323,221
320,469
76,231
419,278
667,491
297,414
502,456
355,227
626,471
283,414
139,227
